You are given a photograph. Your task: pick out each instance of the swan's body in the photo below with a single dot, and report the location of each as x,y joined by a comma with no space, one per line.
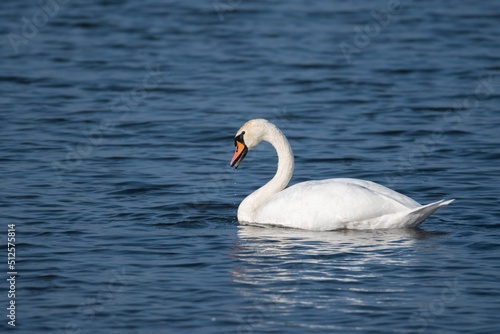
320,205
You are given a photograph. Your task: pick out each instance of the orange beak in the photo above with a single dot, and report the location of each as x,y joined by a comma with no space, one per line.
239,153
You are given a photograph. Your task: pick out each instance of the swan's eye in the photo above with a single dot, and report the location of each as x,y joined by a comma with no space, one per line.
239,138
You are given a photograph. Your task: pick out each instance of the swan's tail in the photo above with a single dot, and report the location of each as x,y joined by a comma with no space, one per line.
418,215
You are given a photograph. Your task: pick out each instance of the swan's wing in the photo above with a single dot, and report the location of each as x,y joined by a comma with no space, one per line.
381,190
333,202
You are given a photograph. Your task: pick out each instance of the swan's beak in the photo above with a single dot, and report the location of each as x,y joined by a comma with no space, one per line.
239,154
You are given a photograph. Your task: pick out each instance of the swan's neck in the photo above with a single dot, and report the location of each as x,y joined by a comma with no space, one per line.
283,174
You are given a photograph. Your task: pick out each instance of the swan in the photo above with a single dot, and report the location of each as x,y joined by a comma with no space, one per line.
322,205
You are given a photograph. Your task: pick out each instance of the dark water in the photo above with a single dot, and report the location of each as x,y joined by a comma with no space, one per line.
116,130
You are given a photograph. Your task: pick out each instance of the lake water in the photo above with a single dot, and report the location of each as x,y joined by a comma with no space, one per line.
116,130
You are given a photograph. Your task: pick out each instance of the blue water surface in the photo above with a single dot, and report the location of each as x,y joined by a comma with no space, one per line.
116,130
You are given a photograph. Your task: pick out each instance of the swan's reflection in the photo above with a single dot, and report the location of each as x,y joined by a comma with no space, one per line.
323,254
281,269
370,245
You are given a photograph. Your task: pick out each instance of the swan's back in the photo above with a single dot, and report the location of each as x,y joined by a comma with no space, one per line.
333,204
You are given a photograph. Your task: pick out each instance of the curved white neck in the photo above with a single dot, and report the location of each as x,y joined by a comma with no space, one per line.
284,173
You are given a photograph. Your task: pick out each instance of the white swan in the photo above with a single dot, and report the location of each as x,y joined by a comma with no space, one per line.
320,205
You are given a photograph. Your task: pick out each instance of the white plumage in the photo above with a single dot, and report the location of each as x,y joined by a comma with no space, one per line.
320,205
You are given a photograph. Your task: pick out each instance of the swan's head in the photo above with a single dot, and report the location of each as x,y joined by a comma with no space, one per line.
247,137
